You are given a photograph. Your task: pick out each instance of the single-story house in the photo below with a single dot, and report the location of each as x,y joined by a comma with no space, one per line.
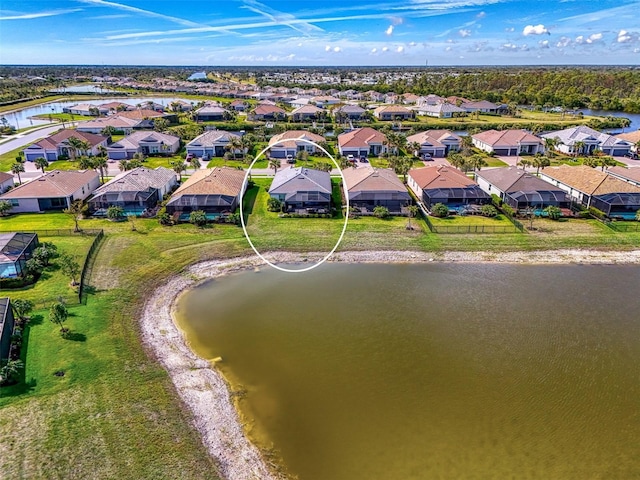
307,112
15,250
57,144
301,188
298,101
121,124
238,105
633,138
291,142
431,99
54,190
217,191
369,187
86,109
631,175
324,101
7,324
591,187
212,143
520,189
441,110
482,106
349,112
114,107
583,140
267,112
447,185
362,142
393,112
437,143
211,113
6,181
145,142
136,191
147,116
508,142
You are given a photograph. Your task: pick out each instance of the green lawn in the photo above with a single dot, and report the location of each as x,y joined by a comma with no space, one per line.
9,158
221,162
64,117
467,220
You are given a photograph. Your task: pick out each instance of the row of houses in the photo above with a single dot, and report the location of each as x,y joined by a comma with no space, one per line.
217,191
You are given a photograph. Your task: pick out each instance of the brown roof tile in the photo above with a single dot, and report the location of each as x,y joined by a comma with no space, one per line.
58,183
367,178
440,176
589,180
212,181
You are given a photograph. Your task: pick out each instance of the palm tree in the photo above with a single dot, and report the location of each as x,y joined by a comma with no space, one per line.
195,163
108,131
17,168
550,145
123,165
275,164
524,163
234,145
457,161
179,166
539,161
466,144
41,163
100,162
414,148
75,145
577,147
606,162
477,162
85,163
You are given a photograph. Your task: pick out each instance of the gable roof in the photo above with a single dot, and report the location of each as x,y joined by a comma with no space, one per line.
308,109
352,109
393,110
211,110
58,183
294,179
442,108
213,181
5,177
506,138
115,121
589,180
440,176
137,180
266,109
434,137
361,137
134,140
140,114
632,137
52,141
511,179
288,138
211,137
367,178
629,174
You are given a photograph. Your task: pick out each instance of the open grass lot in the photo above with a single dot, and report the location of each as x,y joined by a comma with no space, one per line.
457,220
221,162
114,413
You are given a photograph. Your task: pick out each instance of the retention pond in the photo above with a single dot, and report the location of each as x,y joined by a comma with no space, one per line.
394,371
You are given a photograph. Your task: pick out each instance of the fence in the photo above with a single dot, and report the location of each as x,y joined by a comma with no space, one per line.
87,266
58,232
470,229
624,227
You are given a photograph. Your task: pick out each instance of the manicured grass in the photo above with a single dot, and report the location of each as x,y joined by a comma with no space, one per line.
64,117
9,158
30,103
466,220
220,162
494,162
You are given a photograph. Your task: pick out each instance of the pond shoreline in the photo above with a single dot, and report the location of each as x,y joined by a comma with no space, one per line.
204,390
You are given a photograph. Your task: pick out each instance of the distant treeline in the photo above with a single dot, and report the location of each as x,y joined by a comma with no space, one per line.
615,88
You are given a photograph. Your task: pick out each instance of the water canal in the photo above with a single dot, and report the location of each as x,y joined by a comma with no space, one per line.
432,371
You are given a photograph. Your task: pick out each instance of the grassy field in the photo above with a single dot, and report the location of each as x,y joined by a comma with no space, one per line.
115,413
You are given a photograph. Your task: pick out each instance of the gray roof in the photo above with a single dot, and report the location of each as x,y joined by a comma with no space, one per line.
13,244
581,133
138,180
133,140
514,180
212,137
292,180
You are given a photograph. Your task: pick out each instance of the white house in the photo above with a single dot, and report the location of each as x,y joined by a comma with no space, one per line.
145,142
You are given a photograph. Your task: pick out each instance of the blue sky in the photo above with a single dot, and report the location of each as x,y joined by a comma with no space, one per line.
327,32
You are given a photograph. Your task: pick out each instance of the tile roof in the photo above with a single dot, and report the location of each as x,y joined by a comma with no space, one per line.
589,180
361,137
442,108
581,133
632,174
351,109
288,138
4,177
367,178
266,109
393,109
440,176
115,121
213,181
52,141
506,138
512,179
633,137
138,179
212,137
140,114
434,137
308,109
57,183
133,140
291,180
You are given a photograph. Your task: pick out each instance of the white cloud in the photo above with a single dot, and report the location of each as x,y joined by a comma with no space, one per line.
400,49
337,49
389,31
509,29
29,16
300,44
448,49
563,42
579,39
623,36
594,37
327,48
544,43
464,32
412,44
385,49
374,50
535,30
481,15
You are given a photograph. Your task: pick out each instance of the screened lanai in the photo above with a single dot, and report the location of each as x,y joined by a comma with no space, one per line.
618,205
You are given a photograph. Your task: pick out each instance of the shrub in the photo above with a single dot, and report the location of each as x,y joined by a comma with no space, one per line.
440,210
554,212
198,217
597,213
497,201
274,205
381,212
488,211
507,210
115,213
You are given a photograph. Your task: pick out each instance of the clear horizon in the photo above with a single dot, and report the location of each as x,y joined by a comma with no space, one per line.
269,33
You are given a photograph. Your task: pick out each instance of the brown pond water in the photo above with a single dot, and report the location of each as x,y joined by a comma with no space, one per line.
432,371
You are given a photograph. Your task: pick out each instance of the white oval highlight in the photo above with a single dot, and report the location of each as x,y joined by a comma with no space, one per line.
244,226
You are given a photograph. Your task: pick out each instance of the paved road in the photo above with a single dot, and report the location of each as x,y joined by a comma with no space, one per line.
22,139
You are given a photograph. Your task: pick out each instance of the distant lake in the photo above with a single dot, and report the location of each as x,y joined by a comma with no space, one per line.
436,371
634,117
20,119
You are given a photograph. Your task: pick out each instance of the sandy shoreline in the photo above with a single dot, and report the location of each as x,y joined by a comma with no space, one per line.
203,389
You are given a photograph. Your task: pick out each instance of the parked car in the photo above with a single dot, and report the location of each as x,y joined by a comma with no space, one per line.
290,159
190,156
363,159
351,158
427,157
631,155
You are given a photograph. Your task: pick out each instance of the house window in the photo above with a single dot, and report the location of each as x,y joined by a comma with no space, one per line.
14,202
58,202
